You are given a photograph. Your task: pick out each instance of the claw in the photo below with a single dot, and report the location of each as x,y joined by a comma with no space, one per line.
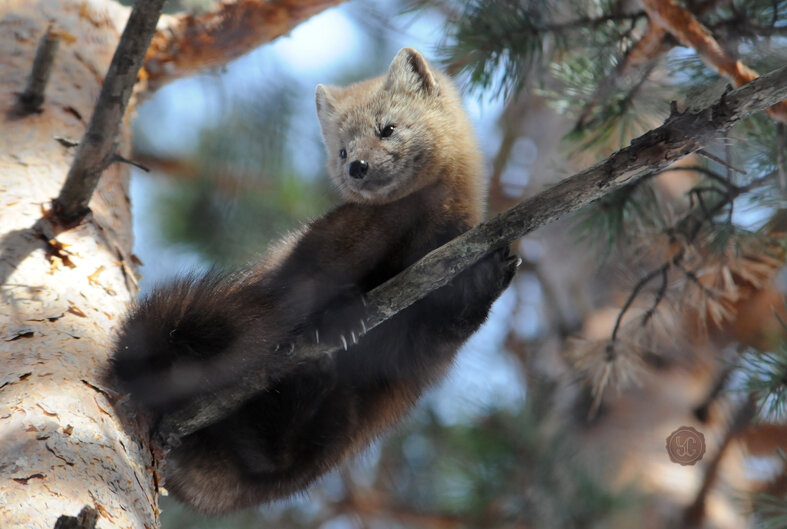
363,324
281,346
317,335
355,340
363,300
518,261
344,341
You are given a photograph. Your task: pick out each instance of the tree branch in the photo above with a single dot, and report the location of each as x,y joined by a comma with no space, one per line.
691,33
97,147
681,134
33,96
187,43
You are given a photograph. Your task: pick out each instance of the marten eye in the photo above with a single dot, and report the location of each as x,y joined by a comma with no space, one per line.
387,131
343,154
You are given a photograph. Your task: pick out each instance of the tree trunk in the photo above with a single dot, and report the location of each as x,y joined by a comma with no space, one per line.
63,446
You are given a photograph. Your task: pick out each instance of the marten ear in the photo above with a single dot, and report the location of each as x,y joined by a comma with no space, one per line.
409,72
326,107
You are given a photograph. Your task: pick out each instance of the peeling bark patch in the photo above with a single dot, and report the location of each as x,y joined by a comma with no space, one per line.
47,412
93,278
28,334
103,512
97,389
66,142
143,489
24,481
22,377
63,459
74,112
73,309
57,253
101,408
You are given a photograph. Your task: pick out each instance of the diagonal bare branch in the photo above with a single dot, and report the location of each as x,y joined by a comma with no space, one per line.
97,147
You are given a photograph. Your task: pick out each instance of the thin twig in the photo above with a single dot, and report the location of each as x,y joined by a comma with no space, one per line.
694,514
700,169
689,227
720,161
33,96
680,135
590,22
691,276
117,158
97,147
660,271
702,410
781,164
659,296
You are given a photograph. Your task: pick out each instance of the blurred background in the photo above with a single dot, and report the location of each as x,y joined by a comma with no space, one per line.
654,308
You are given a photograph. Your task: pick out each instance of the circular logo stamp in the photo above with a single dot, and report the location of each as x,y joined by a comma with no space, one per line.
686,445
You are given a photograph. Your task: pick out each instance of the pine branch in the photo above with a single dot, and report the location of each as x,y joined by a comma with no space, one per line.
691,33
639,60
187,43
500,35
681,134
97,147
687,229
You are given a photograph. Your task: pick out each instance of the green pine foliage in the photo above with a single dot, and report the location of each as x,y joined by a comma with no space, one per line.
766,377
771,512
734,208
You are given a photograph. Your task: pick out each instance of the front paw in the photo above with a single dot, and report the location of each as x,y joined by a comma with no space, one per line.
509,263
496,270
342,322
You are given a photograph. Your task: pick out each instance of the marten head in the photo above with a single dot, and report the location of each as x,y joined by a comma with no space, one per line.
392,135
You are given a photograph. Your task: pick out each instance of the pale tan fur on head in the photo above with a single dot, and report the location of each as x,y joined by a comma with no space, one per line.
432,139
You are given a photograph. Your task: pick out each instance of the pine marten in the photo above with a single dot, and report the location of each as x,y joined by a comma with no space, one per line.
402,153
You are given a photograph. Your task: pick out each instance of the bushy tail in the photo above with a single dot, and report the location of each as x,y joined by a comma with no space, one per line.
171,345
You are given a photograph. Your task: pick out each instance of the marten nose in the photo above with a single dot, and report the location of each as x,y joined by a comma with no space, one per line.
358,168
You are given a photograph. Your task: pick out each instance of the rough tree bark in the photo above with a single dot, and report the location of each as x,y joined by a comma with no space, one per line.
62,445
62,295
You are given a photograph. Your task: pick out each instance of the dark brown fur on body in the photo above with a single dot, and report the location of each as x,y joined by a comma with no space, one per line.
195,336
